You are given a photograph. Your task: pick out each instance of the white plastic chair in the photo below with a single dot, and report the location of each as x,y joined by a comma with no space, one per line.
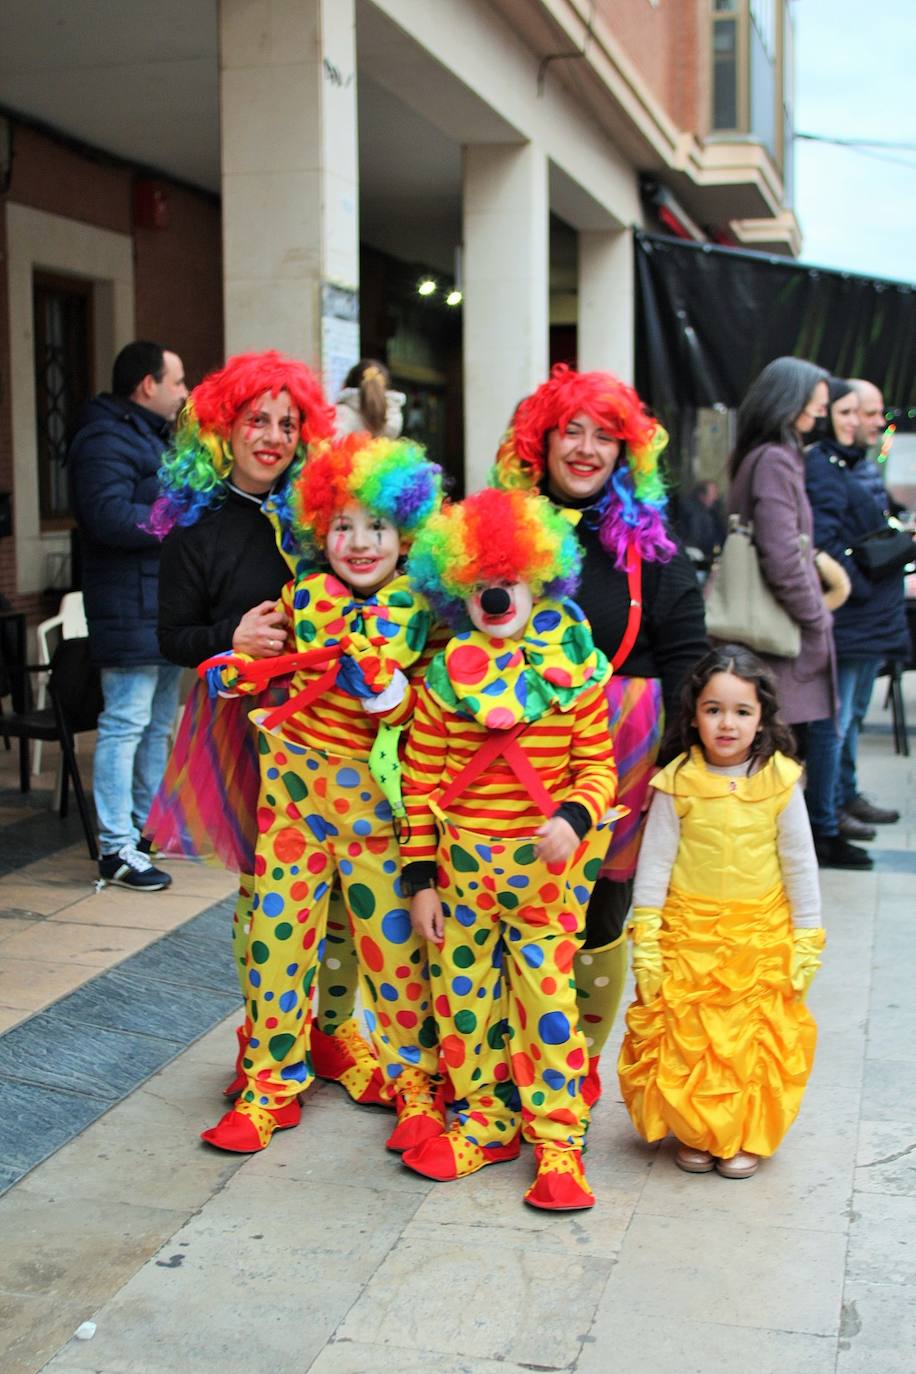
70,621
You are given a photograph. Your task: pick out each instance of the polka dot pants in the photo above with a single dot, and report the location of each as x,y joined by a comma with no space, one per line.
318,816
503,986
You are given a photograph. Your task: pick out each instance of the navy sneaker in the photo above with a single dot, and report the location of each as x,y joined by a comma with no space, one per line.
131,868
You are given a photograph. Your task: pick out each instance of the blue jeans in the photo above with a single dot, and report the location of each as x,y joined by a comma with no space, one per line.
132,748
855,681
822,759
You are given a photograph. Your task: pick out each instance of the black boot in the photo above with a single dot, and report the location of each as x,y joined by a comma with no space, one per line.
835,852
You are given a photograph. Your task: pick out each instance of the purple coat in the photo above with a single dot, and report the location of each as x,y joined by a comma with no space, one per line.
769,490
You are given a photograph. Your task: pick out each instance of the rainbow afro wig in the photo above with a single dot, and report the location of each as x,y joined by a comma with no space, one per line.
493,536
192,474
392,478
631,508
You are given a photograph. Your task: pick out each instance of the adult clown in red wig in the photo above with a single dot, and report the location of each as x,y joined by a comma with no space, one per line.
226,519
586,441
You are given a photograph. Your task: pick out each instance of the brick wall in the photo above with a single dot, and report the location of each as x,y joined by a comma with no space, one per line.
177,273
178,282
667,43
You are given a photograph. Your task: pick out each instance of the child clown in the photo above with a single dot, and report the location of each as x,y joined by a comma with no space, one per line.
357,632
508,774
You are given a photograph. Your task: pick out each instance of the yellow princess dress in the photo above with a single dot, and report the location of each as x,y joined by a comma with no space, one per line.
720,1055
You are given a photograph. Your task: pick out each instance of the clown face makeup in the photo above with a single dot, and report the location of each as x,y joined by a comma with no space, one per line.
263,440
580,458
501,610
363,549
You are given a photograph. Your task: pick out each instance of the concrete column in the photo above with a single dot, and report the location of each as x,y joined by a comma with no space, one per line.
505,291
606,311
290,193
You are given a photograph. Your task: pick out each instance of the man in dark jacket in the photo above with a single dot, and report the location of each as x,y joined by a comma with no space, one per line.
113,461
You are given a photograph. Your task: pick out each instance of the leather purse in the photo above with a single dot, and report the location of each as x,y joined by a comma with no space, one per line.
740,607
883,552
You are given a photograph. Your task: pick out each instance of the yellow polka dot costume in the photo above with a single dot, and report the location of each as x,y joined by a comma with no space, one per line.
508,731
322,814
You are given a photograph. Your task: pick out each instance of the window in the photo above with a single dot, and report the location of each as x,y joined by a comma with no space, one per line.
749,39
62,312
725,71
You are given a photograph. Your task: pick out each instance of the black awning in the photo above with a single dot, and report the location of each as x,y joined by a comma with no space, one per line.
709,318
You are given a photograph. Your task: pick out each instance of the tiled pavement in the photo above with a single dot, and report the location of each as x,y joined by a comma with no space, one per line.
325,1255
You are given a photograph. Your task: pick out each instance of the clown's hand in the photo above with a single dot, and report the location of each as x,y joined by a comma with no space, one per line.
807,947
645,924
557,841
426,916
392,696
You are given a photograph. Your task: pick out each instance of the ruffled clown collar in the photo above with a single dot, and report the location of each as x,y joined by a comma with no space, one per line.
499,682
376,633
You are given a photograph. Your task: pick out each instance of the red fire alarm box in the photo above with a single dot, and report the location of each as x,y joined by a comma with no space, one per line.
151,204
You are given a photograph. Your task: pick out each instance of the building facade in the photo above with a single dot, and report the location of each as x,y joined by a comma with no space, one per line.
448,184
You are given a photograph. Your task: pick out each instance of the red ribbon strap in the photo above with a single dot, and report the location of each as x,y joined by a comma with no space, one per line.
501,743
634,617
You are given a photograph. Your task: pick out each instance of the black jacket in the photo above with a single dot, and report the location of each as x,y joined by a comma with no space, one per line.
212,573
113,460
872,623
672,632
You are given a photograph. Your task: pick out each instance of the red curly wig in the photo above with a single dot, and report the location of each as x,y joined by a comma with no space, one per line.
606,400
216,402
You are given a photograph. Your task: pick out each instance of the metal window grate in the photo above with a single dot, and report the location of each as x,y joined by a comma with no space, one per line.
62,313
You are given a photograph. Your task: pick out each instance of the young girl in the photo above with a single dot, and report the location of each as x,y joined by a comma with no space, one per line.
726,930
356,632
509,772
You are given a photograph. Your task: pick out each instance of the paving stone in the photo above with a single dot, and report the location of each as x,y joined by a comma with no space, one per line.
61,1114
487,1210
351,1357
56,1052
199,1306
30,984
128,1000
697,1347
82,945
889,1089
60,1249
33,1330
878,1329
156,912
791,1189
503,1303
782,1278
887,1157
188,962
882,1239
9,1174
337,1229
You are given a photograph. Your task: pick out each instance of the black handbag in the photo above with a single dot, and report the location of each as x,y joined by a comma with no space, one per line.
883,552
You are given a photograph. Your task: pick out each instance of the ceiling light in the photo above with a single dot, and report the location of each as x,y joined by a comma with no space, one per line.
454,297
427,286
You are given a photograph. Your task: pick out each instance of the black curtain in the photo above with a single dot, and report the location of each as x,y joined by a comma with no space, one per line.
709,318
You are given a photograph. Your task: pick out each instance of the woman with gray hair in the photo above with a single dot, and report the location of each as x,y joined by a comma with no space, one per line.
768,489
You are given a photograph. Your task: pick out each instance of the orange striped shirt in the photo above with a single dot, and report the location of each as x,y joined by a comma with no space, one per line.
570,750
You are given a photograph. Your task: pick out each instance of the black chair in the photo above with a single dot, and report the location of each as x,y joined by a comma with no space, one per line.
894,672
12,650
75,690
